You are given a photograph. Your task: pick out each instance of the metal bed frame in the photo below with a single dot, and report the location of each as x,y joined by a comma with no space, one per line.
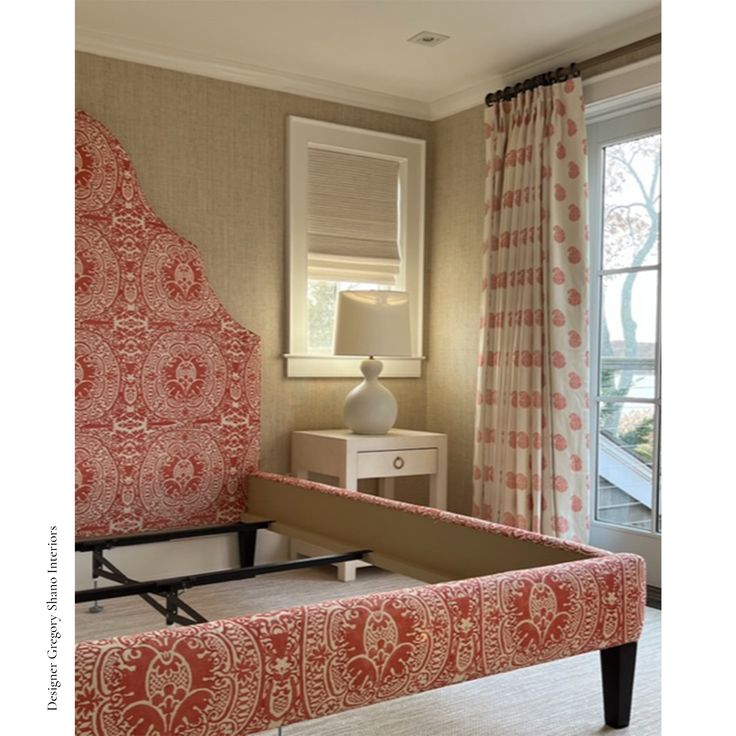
171,589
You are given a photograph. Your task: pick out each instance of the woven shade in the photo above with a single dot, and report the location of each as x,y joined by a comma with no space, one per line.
352,221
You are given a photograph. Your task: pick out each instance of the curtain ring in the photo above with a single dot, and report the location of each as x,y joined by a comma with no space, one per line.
561,74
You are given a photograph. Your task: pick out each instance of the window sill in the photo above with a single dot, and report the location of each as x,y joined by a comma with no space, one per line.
333,366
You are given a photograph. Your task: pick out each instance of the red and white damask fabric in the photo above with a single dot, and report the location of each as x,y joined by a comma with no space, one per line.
531,444
167,383
247,675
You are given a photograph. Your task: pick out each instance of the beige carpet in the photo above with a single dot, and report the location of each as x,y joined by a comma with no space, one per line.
561,698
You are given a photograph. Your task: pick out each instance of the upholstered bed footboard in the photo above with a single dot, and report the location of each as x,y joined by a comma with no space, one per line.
249,674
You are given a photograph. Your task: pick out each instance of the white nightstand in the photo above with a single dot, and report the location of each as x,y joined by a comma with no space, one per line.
346,456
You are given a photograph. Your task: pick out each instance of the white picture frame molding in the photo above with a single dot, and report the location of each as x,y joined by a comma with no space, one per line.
410,153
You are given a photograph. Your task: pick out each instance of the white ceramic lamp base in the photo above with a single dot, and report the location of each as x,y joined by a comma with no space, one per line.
370,408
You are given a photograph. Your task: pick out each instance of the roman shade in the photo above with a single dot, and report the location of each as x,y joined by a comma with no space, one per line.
352,217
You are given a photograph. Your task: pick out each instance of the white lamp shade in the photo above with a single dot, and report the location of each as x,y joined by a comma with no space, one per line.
372,323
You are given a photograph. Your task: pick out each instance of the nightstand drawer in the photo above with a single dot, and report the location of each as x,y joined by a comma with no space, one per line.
388,463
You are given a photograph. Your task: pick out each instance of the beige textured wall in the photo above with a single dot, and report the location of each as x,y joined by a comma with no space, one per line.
211,159
454,286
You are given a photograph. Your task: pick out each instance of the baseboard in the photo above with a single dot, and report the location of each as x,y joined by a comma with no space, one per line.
654,597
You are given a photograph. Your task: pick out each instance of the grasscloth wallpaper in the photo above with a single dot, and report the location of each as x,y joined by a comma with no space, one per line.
454,304
211,159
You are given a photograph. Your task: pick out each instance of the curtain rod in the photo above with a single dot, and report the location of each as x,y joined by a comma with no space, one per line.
540,80
573,70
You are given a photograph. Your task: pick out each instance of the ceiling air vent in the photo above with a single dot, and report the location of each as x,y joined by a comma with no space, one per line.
428,38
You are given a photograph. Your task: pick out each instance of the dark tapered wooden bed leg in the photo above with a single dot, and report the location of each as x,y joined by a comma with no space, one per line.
617,669
247,546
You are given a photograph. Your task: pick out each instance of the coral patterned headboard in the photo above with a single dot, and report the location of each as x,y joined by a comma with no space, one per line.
167,383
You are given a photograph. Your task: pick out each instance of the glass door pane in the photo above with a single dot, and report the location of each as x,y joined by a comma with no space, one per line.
631,197
625,463
626,253
628,335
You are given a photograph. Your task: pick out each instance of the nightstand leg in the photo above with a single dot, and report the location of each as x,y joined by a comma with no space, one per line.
346,572
386,487
347,478
437,492
294,544
294,548
438,481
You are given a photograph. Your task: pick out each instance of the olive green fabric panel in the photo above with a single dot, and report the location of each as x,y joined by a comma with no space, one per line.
426,548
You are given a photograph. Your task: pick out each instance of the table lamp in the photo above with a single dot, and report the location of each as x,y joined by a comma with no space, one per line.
372,323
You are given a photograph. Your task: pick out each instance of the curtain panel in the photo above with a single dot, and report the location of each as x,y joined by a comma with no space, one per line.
531,424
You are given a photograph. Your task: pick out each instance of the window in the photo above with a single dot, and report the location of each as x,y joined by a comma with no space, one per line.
356,221
625,324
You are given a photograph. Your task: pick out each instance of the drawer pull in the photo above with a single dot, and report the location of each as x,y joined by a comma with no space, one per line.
398,462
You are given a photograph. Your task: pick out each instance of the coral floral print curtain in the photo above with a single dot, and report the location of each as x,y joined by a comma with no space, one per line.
531,444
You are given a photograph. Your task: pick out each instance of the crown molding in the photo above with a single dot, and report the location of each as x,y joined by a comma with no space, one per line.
180,60
626,102
642,26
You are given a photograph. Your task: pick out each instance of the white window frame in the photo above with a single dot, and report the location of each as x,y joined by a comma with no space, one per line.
410,153
646,542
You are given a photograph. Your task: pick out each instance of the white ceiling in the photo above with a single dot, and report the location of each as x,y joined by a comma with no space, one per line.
355,51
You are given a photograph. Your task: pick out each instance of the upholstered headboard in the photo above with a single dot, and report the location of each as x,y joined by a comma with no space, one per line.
167,383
